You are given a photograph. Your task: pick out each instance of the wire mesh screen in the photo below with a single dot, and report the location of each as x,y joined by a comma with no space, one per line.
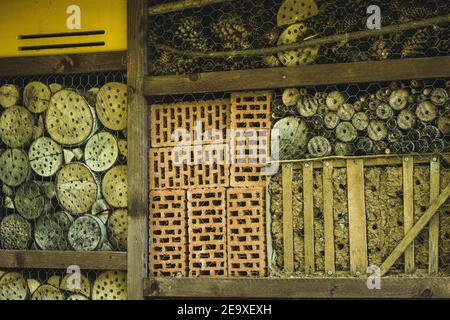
63,162
179,40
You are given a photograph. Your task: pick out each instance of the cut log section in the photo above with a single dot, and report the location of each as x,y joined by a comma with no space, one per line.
426,111
290,97
15,233
51,230
77,284
360,121
377,130
36,97
30,201
69,120
118,228
77,297
406,120
331,120
292,11
46,157
443,124
87,233
110,285
294,33
47,292
14,167
9,95
399,99
115,186
112,106
384,111
76,188
307,106
101,152
13,286
293,137
33,284
346,132
334,100
16,127
346,112
55,87
319,147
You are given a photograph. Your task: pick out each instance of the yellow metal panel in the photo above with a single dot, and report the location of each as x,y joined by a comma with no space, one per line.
40,27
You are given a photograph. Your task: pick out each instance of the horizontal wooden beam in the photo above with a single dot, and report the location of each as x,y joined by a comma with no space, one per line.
320,74
63,259
413,287
63,64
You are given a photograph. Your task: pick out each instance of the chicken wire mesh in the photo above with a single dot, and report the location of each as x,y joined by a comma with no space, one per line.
241,25
63,162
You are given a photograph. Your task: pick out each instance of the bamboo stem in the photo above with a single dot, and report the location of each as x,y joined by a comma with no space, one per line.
181,5
310,43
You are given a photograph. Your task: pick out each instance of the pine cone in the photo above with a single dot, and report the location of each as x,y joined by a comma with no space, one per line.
416,44
231,32
189,33
416,11
380,49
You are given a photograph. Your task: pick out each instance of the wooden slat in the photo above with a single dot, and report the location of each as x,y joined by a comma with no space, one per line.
415,230
308,216
63,259
66,64
328,217
433,266
408,209
357,217
137,150
325,74
436,287
288,230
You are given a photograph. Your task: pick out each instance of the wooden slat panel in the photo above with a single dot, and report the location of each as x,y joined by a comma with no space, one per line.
328,217
435,169
67,64
408,209
357,217
437,287
308,216
326,74
63,259
288,230
415,230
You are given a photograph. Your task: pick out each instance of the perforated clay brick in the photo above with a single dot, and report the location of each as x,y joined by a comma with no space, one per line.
164,172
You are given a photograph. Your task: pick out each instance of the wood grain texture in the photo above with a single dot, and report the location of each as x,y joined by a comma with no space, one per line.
330,267
137,150
435,171
415,230
63,64
308,216
408,209
357,217
288,230
63,259
325,74
436,287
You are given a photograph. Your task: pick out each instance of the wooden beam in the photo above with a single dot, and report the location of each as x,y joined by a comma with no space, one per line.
288,230
137,150
311,75
63,259
435,172
415,230
308,216
411,287
63,64
357,217
408,209
330,267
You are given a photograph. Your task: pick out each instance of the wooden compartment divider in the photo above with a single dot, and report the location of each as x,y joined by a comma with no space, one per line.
408,208
330,267
435,169
288,233
308,200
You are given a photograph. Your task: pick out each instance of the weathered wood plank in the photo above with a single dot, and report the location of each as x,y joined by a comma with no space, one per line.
357,217
308,216
288,230
415,230
408,209
325,74
63,259
330,267
435,172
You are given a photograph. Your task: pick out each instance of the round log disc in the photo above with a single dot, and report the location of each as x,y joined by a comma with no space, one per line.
439,96
394,136
292,11
360,121
118,228
343,149
319,147
70,284
77,297
406,120
346,132
115,186
444,124
112,106
14,167
13,286
9,95
36,96
110,285
87,233
101,152
51,230
46,157
307,106
334,100
384,111
55,87
76,188
15,233
69,120
365,144
346,111
47,292
295,33
331,120
290,97
399,99
30,201
293,137
377,130
426,111
16,126
123,148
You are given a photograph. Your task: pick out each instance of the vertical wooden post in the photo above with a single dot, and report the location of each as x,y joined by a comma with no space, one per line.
357,217
308,209
137,149
408,209
327,192
433,266
288,230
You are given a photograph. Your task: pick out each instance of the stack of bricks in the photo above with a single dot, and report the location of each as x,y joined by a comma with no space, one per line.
207,183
